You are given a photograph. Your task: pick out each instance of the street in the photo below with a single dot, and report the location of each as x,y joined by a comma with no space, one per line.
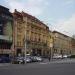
61,67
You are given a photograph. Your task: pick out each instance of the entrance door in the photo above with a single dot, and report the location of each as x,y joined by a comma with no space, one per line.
39,52
18,52
33,52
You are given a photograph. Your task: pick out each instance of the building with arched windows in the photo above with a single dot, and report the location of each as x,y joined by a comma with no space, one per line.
35,33
62,44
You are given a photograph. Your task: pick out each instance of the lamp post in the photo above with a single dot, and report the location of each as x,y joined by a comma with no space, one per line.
51,50
25,42
51,44
51,41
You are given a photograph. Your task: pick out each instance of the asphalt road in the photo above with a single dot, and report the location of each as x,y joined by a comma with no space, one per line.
43,68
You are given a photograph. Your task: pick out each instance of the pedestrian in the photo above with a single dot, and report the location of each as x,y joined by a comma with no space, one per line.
49,58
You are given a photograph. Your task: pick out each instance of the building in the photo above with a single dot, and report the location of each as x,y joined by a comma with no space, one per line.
73,46
61,44
30,32
6,26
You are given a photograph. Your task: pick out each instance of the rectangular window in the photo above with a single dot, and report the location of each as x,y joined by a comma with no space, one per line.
0,24
1,30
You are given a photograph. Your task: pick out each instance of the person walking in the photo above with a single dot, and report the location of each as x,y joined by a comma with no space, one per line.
49,58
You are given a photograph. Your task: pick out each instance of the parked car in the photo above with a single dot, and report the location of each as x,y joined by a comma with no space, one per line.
20,60
71,56
65,56
36,59
57,56
33,58
27,59
39,59
1,60
4,59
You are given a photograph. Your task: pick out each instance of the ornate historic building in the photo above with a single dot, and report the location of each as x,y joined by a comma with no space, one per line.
31,33
6,25
22,33
62,43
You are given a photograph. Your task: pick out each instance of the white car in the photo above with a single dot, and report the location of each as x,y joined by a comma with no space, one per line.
39,59
19,60
65,56
36,59
28,60
57,56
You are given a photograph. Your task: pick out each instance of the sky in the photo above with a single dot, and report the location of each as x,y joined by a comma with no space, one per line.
59,15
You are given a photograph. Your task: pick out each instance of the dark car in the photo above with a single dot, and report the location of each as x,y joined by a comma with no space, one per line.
0,60
5,60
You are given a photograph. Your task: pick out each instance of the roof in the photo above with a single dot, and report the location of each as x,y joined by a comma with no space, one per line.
2,7
60,33
5,11
33,18
21,14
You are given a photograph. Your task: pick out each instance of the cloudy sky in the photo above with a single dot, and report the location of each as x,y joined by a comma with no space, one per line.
57,14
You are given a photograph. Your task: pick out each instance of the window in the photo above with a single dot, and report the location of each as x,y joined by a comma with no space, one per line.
0,24
55,50
1,30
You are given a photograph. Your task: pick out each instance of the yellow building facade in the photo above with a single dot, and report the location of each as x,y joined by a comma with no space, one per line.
30,30
62,43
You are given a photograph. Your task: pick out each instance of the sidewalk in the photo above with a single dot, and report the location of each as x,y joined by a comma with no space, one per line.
59,60
46,61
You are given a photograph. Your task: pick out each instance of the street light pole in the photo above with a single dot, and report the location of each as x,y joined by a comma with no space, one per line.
52,42
51,49
25,47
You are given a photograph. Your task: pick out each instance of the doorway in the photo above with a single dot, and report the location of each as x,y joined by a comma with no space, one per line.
19,52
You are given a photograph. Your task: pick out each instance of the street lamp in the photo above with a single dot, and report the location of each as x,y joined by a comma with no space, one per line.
51,48
25,42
